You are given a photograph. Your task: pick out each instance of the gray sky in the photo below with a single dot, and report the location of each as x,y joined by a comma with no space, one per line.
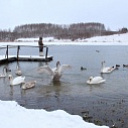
112,13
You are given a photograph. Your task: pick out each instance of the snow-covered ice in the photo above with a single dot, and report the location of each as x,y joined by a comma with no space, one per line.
13,115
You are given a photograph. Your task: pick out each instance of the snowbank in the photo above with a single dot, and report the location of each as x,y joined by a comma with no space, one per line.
110,38
116,39
13,115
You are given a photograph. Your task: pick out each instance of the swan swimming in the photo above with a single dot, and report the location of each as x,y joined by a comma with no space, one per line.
28,85
106,69
17,80
95,80
56,72
4,73
18,71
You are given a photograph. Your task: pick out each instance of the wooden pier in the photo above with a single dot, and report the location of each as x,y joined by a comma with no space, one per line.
10,58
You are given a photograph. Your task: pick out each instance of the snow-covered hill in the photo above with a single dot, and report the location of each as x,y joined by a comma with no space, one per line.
109,38
118,38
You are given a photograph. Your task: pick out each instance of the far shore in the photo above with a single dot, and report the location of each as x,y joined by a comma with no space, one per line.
63,43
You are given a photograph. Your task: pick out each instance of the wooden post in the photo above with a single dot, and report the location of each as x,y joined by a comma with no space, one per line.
46,55
18,48
7,52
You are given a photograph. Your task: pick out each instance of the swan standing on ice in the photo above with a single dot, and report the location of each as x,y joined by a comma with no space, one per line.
106,69
28,85
17,80
95,80
56,72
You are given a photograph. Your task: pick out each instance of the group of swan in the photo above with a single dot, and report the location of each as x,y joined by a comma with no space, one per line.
56,72
104,70
20,80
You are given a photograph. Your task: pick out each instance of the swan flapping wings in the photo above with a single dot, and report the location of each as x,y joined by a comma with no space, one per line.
56,72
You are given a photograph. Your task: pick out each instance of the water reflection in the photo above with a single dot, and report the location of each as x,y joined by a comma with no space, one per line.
11,93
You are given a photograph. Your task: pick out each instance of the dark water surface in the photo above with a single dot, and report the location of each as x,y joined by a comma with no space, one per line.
101,104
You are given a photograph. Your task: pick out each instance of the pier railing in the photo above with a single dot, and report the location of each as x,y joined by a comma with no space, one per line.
18,47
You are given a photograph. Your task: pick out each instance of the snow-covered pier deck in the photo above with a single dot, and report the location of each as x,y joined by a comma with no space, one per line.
10,58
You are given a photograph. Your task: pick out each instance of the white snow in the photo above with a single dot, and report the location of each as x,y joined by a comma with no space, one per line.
110,38
13,115
116,39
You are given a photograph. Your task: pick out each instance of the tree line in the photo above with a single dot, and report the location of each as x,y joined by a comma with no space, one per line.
72,31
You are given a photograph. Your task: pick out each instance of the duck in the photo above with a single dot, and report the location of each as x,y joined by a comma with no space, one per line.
106,69
125,65
28,85
95,80
83,68
17,80
55,72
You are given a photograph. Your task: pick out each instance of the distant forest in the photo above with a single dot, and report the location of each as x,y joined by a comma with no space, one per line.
72,31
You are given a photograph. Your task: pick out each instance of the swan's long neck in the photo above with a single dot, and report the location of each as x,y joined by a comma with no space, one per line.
4,71
11,80
58,64
103,65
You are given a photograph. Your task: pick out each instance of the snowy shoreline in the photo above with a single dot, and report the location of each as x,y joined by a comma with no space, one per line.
117,39
65,43
16,116
109,39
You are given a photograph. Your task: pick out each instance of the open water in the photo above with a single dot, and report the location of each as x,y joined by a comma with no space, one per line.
104,104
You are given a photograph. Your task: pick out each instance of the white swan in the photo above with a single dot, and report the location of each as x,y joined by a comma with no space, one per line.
17,80
56,72
18,71
28,85
106,69
95,80
4,73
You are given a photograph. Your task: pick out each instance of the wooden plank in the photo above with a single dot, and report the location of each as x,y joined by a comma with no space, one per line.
25,58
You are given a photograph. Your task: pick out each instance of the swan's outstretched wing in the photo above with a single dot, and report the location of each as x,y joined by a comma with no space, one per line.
64,67
45,69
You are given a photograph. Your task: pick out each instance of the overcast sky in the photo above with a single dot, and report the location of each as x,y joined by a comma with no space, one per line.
112,13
